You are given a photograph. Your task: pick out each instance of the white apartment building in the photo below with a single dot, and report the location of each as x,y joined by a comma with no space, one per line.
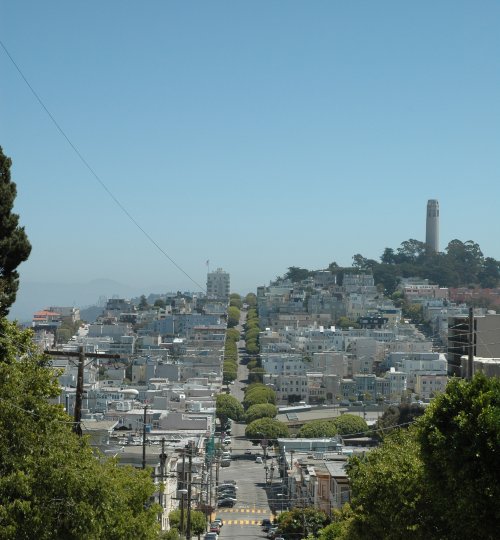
218,284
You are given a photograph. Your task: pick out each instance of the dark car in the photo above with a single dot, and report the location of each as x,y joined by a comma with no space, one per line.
266,524
225,502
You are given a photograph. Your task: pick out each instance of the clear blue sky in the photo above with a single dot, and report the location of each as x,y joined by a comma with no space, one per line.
258,135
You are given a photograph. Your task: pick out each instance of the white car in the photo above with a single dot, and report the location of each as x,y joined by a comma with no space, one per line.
258,459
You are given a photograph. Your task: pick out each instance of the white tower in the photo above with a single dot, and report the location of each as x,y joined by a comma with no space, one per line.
432,226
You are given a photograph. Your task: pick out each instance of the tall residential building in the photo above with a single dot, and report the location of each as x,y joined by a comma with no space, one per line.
218,284
486,340
432,225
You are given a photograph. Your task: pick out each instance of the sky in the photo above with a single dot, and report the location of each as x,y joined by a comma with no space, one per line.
255,135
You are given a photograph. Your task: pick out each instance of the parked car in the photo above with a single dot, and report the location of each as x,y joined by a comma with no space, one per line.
219,521
215,527
228,484
225,502
266,524
258,459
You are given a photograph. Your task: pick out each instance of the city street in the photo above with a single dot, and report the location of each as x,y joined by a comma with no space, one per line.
245,518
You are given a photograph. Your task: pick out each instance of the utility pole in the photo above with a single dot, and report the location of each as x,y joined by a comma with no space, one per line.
144,438
470,361
77,427
182,490
190,478
163,460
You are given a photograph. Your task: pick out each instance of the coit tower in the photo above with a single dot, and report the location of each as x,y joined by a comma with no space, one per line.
432,226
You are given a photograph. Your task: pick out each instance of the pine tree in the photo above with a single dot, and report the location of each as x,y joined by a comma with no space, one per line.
14,244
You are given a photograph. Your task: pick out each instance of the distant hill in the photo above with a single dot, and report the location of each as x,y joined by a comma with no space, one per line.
33,296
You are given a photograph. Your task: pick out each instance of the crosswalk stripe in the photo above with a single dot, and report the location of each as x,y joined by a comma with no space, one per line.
243,510
242,522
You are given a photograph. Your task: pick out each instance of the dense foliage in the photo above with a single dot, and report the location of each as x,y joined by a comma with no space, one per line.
51,484
459,438
227,406
230,366
461,264
401,415
350,424
198,521
438,479
14,245
258,393
316,429
233,316
266,428
261,410
300,522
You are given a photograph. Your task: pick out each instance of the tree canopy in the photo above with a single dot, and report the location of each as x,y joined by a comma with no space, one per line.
439,478
460,264
258,393
198,521
14,244
51,484
350,424
261,410
266,428
317,429
300,522
459,438
233,316
227,406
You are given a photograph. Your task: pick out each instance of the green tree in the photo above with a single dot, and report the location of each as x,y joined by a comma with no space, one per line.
349,424
198,521
266,428
253,333
14,244
160,303
51,484
251,300
233,316
172,534
143,303
296,274
229,372
400,416
256,375
302,521
227,406
460,444
252,347
387,497
438,479
317,428
235,300
258,393
232,334
261,410
345,322
489,275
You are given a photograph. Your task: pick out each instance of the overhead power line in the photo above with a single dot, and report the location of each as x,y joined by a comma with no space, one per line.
94,173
